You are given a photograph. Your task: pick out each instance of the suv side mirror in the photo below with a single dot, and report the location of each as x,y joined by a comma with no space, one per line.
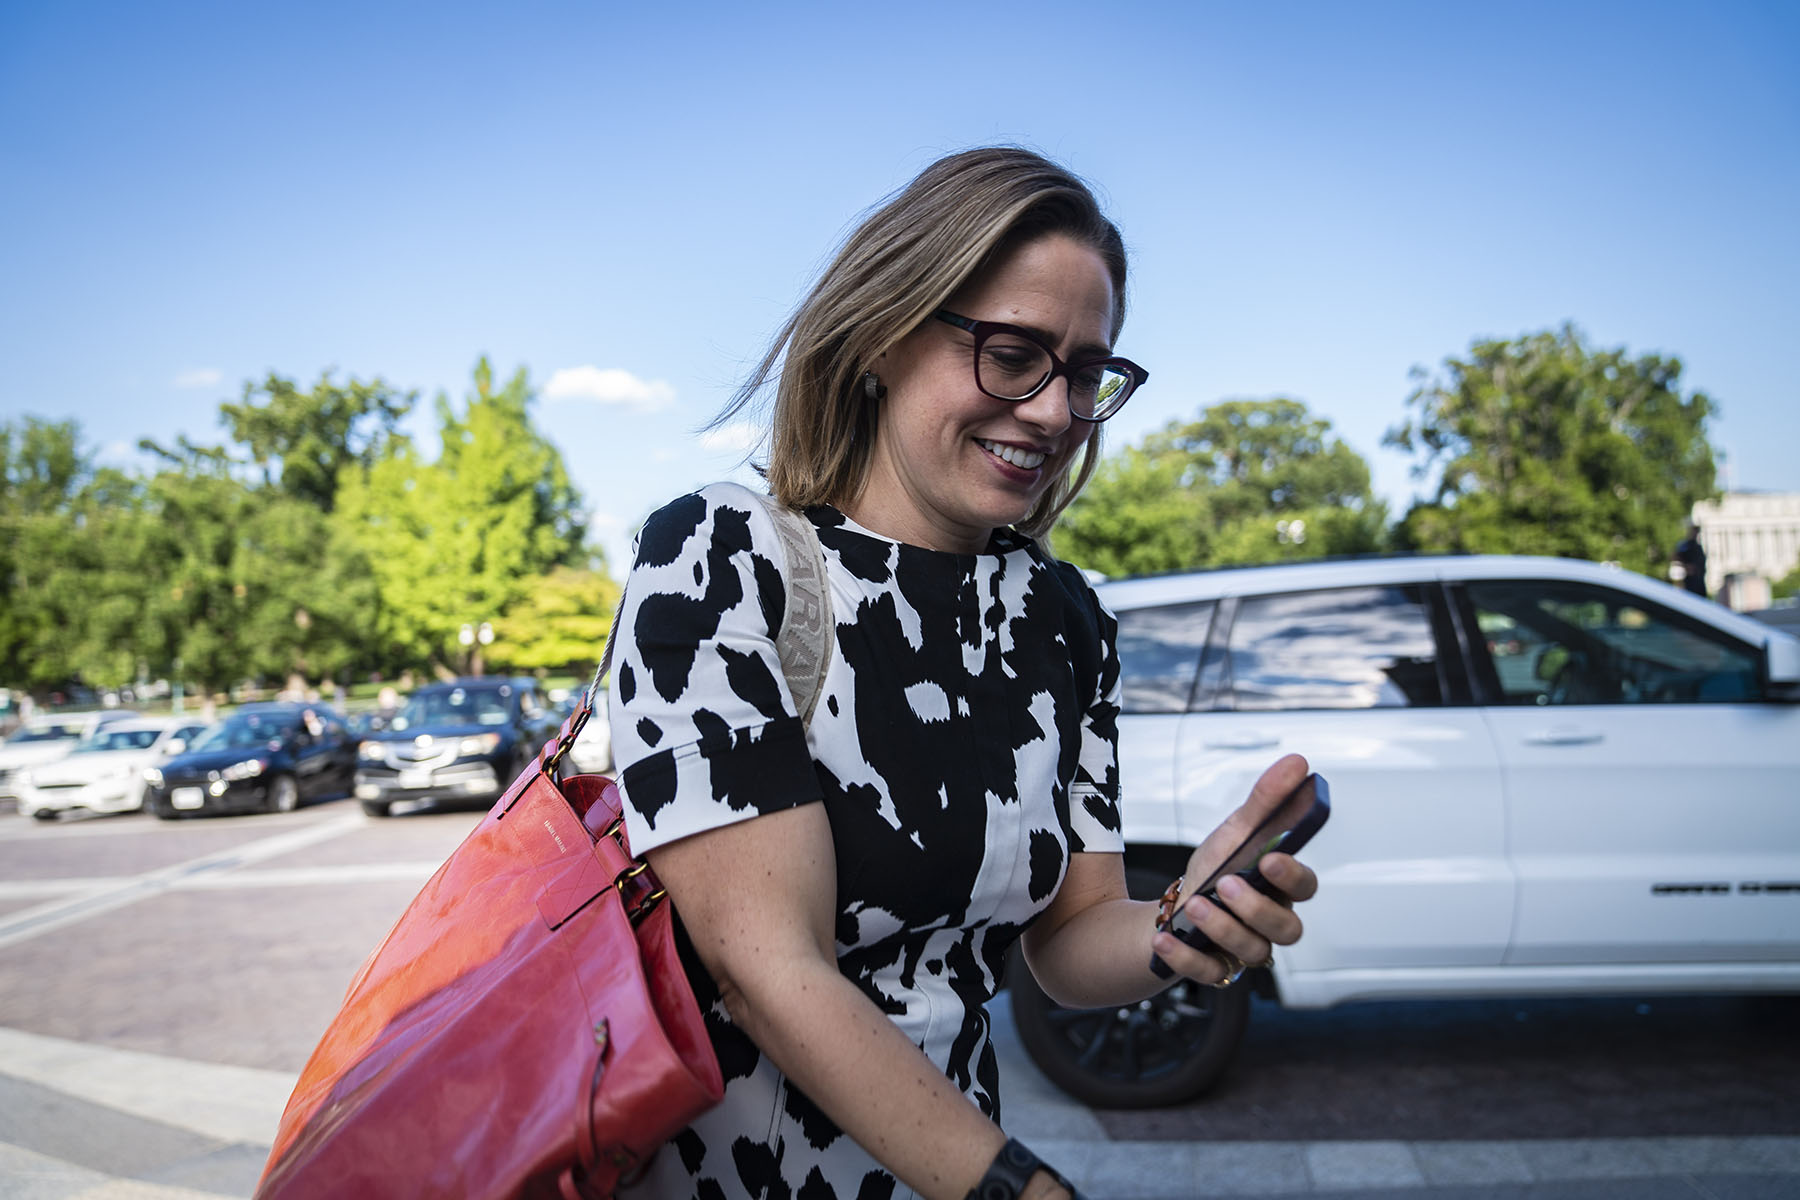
1781,666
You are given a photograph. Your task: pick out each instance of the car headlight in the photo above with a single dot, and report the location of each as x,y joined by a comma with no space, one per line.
480,744
371,750
153,777
250,768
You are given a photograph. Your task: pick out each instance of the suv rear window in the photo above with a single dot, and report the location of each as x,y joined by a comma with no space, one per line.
1358,647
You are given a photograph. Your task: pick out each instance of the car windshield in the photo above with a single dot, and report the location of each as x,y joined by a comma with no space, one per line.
454,706
244,730
43,733
103,739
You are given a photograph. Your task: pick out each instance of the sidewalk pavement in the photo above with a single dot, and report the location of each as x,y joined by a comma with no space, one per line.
84,1122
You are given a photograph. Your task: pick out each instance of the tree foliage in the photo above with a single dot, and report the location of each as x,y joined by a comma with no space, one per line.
1245,481
1136,516
316,542
1545,445
304,440
562,622
461,539
67,565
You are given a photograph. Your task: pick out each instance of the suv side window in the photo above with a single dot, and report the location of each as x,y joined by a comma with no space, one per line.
1574,643
1357,647
1159,654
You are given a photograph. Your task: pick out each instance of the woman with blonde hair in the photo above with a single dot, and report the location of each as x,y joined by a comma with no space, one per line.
849,885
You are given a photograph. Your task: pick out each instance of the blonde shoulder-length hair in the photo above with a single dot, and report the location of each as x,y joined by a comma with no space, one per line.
894,270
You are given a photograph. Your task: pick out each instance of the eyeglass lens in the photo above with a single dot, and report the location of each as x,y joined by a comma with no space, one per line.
1011,367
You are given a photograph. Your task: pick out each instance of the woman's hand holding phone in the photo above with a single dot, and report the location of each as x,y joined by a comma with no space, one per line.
1242,881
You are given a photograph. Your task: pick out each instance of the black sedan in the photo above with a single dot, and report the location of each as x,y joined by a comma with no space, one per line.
462,741
261,758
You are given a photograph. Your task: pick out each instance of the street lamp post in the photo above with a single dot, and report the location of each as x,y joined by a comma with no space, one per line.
473,637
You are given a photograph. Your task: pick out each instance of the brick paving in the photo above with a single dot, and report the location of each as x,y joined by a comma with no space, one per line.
147,1040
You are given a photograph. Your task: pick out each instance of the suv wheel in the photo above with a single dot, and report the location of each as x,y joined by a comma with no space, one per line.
375,808
1164,1050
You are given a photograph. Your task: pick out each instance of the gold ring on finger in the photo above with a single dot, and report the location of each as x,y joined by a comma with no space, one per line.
1234,967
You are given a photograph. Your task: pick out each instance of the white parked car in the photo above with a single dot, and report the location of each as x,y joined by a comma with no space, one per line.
44,739
104,773
1548,777
592,752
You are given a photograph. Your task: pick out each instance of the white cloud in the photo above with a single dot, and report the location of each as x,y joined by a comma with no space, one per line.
609,385
739,437
199,377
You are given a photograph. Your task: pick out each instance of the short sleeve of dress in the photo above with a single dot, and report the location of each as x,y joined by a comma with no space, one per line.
1094,824
704,731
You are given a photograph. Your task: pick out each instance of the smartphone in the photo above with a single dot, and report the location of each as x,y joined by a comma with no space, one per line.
1292,823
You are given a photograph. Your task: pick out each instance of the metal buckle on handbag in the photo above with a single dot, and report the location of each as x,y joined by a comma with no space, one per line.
640,906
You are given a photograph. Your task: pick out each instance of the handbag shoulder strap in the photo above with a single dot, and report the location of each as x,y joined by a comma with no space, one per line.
804,642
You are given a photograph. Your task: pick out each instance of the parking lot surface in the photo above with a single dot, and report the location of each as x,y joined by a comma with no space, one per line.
162,983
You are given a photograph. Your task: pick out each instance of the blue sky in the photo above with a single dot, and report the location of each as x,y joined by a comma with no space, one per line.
627,199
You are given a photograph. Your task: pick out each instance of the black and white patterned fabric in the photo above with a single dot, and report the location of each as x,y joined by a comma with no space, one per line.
963,746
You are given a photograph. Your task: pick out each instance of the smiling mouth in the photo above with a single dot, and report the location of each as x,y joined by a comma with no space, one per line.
1029,460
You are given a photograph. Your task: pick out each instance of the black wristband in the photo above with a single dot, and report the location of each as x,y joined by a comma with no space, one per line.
1011,1170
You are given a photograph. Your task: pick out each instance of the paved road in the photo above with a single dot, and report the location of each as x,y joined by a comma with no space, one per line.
161,984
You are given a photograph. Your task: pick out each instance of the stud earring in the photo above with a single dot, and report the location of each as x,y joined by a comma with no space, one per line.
872,387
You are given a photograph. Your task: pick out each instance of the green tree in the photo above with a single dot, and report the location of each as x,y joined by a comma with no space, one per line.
1787,585
308,597
41,470
73,580
1246,481
463,539
1545,445
113,564
198,612
304,440
1136,516
562,622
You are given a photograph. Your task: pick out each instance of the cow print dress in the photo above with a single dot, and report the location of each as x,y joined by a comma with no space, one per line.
964,745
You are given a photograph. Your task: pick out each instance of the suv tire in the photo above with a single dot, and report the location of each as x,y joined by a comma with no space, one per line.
376,808
1161,1051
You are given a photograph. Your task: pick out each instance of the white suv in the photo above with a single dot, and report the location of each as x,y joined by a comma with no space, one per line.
1548,776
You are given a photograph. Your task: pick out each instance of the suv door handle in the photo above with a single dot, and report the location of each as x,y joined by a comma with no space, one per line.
1564,737
1244,741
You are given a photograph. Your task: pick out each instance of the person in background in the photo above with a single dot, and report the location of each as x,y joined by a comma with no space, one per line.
1692,558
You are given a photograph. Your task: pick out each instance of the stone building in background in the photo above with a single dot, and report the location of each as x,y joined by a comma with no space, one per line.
1751,540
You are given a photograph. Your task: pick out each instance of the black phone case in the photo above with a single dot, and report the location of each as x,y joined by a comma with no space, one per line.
1291,842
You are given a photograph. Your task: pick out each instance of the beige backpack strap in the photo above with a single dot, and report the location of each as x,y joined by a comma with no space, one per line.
806,637
804,643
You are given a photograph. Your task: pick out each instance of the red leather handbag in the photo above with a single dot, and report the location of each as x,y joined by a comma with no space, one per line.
525,1030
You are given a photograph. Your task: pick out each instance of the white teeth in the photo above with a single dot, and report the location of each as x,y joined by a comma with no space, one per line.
1028,459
